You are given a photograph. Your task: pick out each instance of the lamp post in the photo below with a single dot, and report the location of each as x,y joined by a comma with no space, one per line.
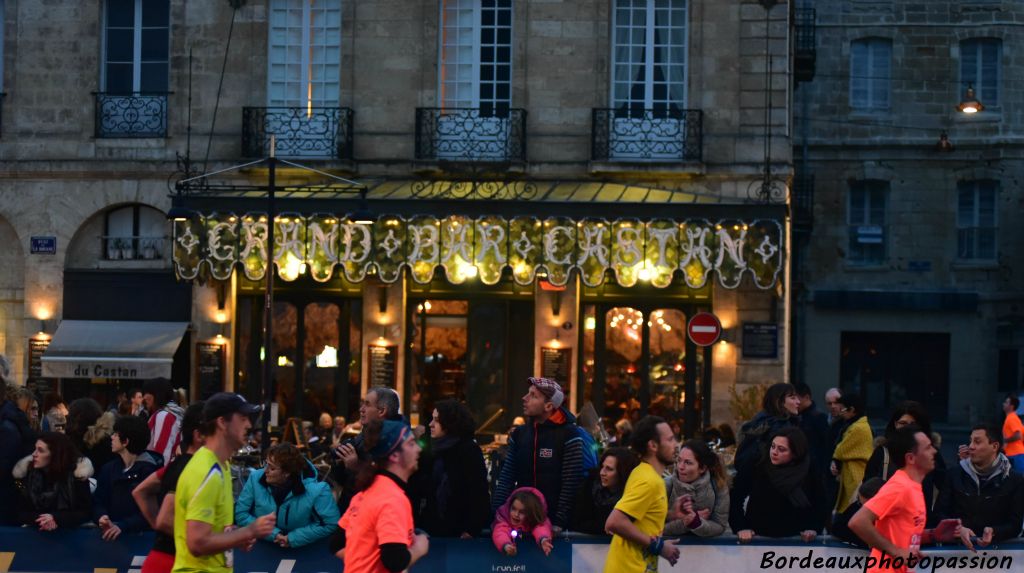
201,187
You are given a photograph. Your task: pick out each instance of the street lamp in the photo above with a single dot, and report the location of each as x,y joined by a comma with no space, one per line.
970,103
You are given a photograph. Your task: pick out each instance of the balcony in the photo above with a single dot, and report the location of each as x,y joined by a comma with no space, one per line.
805,51
645,135
134,248
131,115
471,134
299,132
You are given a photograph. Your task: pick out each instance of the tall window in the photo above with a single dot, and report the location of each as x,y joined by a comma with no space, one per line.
979,67
870,72
136,43
649,55
305,53
476,55
867,222
976,220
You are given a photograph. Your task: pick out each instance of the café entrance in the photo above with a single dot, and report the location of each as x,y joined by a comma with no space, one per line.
637,360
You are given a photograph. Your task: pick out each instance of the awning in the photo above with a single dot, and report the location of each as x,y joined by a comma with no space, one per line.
113,349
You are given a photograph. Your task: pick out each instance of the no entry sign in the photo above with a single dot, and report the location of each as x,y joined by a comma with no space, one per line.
704,329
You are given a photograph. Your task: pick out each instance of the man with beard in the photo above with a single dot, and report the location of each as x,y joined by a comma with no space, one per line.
638,519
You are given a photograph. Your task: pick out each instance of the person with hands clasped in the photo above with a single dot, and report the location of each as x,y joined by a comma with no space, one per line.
784,495
204,537
638,519
892,523
525,513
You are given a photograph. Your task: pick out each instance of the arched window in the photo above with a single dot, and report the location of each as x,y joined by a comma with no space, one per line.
134,232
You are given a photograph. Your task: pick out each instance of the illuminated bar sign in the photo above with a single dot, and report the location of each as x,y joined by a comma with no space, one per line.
483,247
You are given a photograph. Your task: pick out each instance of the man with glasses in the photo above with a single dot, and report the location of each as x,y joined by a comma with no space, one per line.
378,405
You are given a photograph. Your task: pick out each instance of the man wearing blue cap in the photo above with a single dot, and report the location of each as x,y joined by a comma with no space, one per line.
377,534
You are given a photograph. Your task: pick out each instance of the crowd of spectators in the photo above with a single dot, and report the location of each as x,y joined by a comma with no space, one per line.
796,472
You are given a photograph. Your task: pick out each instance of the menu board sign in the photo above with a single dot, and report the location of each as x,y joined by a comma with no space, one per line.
556,364
209,368
36,382
760,340
383,365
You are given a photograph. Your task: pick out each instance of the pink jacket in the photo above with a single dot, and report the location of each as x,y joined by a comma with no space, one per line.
501,529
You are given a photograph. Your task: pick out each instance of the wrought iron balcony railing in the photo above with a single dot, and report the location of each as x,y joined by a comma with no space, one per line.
471,134
131,115
805,52
134,248
647,135
310,132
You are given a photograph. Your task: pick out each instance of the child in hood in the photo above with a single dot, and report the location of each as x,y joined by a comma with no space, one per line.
525,513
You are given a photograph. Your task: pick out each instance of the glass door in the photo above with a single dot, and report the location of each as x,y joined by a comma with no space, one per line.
637,359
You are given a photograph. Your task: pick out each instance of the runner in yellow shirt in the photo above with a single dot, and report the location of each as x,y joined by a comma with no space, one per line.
638,519
204,539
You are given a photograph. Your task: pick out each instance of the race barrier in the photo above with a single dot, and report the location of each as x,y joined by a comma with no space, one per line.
24,550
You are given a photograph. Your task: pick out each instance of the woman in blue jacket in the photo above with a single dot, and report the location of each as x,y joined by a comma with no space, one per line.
287,486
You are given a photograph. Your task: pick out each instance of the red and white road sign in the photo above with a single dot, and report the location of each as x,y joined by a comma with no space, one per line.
704,329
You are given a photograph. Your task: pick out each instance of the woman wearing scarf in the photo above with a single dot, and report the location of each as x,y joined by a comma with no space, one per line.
783,496
601,490
853,450
457,503
699,479
780,409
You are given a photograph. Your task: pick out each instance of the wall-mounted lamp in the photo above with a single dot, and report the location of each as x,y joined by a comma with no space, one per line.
556,303
970,103
221,288
944,145
42,330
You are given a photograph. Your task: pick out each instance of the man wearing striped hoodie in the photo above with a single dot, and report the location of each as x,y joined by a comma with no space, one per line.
165,422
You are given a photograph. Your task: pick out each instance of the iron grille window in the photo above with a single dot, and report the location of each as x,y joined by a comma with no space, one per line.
976,220
870,73
866,222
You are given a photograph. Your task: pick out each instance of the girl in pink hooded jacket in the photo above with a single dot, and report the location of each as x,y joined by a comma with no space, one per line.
525,513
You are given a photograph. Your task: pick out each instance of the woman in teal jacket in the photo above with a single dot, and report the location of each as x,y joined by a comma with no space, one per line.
306,511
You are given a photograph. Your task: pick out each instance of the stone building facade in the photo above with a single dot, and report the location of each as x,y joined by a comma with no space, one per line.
98,110
909,283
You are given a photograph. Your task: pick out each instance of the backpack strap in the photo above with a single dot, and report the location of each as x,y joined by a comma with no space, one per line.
885,463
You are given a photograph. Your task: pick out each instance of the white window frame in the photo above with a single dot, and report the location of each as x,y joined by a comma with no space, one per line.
314,36
649,47
475,100
871,74
862,227
969,225
3,24
972,52
136,47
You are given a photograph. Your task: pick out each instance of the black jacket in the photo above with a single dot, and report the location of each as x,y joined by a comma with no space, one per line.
114,486
815,427
457,500
755,436
591,512
997,502
547,456
16,441
769,513
67,499
841,525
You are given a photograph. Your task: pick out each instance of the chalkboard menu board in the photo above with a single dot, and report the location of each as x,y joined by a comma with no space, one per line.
41,386
209,368
383,365
760,340
556,364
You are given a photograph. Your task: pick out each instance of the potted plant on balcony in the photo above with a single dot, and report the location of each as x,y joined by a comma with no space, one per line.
148,249
127,249
113,249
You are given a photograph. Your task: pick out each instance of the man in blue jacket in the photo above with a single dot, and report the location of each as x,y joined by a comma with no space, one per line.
287,486
114,509
545,453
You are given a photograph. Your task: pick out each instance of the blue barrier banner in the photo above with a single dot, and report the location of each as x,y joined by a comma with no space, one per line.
81,550
24,550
